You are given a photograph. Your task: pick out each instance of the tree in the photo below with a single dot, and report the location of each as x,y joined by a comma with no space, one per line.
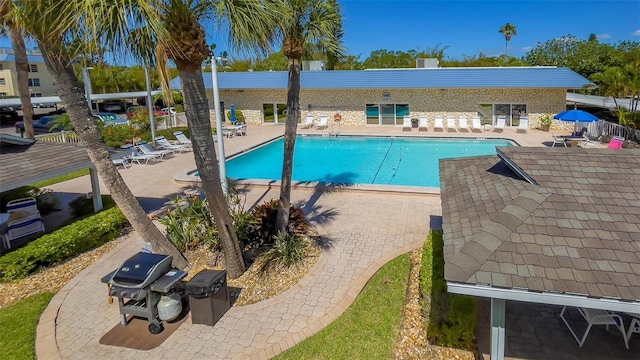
508,30
53,25
306,26
10,18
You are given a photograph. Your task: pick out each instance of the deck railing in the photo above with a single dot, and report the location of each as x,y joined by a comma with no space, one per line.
596,130
62,136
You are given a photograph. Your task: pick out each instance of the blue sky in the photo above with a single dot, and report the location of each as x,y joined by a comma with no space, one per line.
470,27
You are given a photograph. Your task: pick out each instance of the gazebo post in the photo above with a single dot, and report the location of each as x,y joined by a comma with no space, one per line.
497,329
95,189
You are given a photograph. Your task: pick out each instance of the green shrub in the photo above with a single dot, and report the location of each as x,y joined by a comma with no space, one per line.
83,206
239,116
189,224
287,250
265,215
452,318
62,244
116,136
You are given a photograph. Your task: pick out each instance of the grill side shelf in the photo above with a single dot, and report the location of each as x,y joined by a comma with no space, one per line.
167,281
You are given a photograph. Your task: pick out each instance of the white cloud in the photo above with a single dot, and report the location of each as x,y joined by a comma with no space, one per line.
636,33
527,48
603,36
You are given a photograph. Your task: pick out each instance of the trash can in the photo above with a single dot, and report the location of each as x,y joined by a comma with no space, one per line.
208,296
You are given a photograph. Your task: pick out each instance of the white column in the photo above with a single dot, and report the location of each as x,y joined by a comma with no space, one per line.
216,108
95,189
498,338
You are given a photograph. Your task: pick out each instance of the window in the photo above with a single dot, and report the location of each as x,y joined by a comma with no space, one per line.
512,112
33,68
36,95
1,68
386,114
34,82
3,82
274,113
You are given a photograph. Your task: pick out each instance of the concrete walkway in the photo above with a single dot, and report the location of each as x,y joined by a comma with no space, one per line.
364,230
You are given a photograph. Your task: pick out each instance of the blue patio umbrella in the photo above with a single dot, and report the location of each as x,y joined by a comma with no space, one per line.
233,114
576,116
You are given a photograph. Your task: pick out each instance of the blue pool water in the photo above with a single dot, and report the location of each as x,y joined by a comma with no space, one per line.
359,160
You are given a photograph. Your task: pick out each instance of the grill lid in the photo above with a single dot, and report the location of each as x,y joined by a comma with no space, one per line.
141,270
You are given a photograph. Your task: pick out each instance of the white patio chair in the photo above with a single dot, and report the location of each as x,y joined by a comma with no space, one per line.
558,140
423,123
241,129
501,123
146,149
596,317
475,124
24,219
463,124
634,327
182,138
323,122
451,123
137,157
406,123
165,144
121,161
524,125
437,124
308,123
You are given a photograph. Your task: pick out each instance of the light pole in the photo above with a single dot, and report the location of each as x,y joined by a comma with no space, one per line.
216,108
152,120
87,85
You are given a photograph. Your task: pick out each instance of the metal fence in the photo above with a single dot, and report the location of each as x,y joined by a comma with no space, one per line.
597,130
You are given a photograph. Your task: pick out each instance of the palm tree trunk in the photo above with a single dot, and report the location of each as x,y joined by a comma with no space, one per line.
72,96
506,50
197,112
290,132
22,67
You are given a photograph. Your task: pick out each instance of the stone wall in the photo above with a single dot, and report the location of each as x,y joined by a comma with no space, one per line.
351,103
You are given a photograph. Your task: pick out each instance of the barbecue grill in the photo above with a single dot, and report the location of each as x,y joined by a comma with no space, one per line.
139,284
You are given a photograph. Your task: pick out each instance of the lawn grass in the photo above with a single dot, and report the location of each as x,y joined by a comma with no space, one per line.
367,329
61,178
18,323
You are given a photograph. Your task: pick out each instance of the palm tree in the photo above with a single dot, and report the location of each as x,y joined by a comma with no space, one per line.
9,19
508,30
50,23
306,27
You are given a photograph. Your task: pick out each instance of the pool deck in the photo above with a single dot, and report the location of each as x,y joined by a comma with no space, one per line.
365,229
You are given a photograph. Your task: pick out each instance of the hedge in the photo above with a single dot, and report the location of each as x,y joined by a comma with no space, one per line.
62,244
452,318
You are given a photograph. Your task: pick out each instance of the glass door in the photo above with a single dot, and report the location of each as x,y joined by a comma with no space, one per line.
502,110
274,113
387,114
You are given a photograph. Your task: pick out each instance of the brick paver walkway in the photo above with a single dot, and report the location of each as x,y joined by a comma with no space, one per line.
364,230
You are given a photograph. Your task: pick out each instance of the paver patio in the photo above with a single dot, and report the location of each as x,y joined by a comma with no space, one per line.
365,229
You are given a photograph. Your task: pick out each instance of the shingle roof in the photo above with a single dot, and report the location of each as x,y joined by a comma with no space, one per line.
23,165
439,78
576,232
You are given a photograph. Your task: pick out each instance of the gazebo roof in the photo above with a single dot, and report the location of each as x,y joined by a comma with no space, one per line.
544,220
26,161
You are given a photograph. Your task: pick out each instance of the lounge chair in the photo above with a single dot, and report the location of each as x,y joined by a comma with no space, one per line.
308,123
437,124
451,123
165,144
475,124
146,149
406,123
501,123
24,219
558,140
423,123
524,125
121,161
323,122
137,157
634,327
182,138
596,317
463,124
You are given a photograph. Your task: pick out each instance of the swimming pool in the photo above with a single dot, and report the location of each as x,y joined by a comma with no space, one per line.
348,160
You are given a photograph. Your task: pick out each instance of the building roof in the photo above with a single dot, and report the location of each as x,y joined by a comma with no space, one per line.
572,228
25,163
438,78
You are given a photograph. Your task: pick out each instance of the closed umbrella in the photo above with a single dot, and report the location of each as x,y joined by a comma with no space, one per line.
233,114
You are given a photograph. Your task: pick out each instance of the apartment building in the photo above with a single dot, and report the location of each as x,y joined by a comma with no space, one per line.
41,83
